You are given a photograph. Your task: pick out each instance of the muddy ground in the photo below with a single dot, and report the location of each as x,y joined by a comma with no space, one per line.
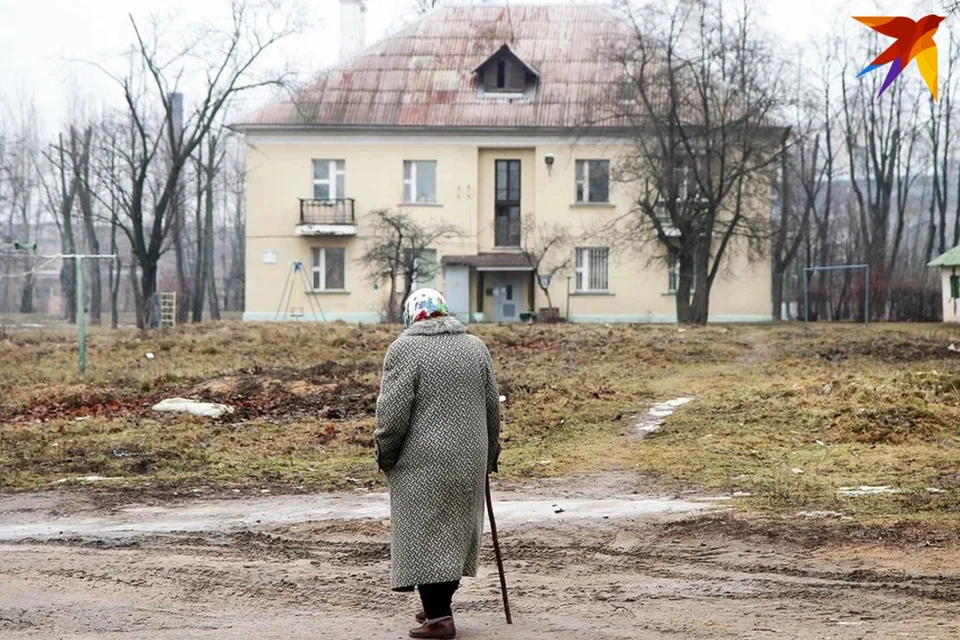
312,570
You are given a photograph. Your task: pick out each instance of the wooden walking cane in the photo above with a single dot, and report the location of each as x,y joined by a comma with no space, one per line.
496,551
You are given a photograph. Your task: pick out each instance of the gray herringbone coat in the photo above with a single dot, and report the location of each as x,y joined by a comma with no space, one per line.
437,437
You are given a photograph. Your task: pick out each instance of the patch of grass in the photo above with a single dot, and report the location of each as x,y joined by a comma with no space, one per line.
784,415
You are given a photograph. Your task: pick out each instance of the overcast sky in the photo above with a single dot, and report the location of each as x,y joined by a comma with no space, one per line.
41,41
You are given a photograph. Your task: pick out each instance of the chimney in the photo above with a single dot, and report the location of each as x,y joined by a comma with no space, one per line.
353,15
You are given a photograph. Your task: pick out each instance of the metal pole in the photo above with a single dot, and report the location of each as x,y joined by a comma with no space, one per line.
866,303
81,316
568,298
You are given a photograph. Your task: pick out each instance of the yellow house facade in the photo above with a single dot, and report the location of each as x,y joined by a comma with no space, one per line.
455,122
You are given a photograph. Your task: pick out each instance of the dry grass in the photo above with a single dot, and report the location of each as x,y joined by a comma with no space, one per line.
843,405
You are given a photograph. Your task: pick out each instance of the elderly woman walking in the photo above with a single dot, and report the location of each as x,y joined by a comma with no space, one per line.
437,438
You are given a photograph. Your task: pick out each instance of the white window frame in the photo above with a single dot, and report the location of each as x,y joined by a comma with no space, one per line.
319,270
336,168
411,184
587,260
584,181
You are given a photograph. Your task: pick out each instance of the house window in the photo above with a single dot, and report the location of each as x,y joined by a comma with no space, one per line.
593,181
592,269
501,74
328,269
507,213
690,180
420,182
424,273
673,272
329,178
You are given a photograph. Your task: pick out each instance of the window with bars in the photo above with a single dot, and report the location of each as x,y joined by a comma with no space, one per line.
420,182
329,179
593,269
593,181
328,268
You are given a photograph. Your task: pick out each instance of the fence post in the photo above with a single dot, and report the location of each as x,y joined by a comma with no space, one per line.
806,298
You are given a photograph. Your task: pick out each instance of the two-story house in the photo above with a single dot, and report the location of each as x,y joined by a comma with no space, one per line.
473,117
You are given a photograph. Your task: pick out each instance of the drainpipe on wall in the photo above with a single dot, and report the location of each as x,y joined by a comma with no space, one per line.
568,298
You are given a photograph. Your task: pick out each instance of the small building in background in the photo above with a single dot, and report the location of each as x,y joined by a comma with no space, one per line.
949,265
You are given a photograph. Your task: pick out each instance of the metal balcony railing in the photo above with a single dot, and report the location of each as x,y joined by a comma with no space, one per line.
338,211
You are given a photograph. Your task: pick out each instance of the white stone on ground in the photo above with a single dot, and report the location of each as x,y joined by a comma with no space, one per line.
193,407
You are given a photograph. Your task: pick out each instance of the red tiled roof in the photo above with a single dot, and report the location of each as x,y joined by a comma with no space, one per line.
423,76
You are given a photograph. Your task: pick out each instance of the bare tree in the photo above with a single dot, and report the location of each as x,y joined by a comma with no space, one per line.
21,188
700,97
396,250
940,129
204,282
162,140
548,249
879,138
79,152
59,184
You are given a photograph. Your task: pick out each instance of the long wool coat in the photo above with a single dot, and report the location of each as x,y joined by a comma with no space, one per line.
437,437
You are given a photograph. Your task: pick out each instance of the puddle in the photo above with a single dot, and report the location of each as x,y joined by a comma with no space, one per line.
651,421
224,515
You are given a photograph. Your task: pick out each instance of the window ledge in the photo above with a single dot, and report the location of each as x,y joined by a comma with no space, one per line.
593,205
328,292
592,293
420,204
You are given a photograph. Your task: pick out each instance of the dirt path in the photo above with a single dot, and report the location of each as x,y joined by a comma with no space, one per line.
627,576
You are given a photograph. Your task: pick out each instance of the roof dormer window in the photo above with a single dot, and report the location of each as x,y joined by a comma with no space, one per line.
505,74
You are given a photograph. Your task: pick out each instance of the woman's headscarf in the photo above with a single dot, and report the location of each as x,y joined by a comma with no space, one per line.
424,304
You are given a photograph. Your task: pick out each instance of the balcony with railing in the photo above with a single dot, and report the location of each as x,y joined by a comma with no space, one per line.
327,217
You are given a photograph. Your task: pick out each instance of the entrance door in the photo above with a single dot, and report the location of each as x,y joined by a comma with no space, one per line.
507,294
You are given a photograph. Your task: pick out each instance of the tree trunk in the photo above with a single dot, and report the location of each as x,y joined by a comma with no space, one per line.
199,272
209,267
777,293
115,271
26,294
208,260
81,171
68,285
139,305
148,291
686,278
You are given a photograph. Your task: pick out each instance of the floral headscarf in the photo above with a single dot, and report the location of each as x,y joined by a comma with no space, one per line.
424,304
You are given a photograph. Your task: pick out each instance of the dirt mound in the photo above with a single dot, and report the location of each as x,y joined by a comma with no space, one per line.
330,390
